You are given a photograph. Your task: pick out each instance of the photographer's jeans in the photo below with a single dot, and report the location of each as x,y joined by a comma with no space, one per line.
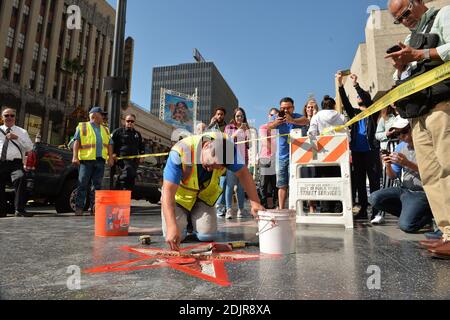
89,178
411,207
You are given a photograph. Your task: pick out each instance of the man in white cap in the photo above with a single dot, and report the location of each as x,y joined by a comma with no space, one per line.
408,202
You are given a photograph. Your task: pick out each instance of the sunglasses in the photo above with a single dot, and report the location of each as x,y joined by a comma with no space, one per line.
405,14
9,116
131,121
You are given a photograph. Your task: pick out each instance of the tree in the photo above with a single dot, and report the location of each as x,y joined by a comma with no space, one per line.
73,70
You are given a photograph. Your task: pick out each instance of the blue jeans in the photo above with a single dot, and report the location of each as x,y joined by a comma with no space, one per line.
411,207
90,171
282,173
223,183
232,181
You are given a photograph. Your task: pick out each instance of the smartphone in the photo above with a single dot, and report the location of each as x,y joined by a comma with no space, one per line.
346,73
393,49
282,114
385,153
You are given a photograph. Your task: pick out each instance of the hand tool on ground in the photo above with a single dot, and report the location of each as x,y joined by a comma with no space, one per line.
145,240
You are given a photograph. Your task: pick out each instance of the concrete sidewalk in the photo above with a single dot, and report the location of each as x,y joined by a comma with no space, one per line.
331,263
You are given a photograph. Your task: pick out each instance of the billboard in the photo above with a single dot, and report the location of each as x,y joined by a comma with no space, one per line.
179,109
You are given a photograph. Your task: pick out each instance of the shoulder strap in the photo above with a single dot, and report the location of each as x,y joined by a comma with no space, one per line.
13,142
431,21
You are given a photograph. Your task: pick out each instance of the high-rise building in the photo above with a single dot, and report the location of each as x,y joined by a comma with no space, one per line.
213,90
52,74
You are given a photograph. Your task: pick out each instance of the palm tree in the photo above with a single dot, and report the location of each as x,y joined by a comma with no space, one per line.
73,70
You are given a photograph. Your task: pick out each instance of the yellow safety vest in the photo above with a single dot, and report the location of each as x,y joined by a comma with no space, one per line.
190,191
88,147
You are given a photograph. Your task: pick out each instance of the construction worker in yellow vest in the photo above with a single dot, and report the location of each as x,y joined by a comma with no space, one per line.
92,149
192,186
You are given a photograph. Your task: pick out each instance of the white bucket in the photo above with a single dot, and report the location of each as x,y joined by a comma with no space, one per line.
277,232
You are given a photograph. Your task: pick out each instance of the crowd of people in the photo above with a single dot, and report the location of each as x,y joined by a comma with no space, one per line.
402,151
407,181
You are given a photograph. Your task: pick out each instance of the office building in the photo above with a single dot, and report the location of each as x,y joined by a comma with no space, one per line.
213,90
52,74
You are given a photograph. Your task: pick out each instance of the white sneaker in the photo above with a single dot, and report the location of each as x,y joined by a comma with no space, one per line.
220,211
379,220
229,214
241,213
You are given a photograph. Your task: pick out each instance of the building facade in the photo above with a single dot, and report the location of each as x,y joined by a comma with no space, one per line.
52,74
374,71
213,90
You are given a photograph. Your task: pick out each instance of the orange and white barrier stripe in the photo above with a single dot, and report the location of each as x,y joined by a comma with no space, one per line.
326,149
319,152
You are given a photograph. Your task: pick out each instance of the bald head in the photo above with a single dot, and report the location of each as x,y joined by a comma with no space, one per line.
407,12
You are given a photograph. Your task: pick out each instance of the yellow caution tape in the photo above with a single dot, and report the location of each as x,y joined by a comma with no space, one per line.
408,88
144,156
260,139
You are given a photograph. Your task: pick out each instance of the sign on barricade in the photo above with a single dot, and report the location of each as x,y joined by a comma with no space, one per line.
319,155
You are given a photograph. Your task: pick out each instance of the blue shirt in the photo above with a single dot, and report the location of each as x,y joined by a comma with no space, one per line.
362,142
283,142
173,172
98,136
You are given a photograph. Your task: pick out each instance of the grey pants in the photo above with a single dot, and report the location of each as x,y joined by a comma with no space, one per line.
204,221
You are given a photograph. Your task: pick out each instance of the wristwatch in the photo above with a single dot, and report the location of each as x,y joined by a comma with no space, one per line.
426,54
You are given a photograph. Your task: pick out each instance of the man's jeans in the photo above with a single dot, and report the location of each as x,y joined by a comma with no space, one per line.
90,171
411,207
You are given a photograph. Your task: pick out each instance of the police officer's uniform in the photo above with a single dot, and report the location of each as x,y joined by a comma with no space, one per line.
127,142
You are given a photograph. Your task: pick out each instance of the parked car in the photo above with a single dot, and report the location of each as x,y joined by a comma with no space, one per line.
53,179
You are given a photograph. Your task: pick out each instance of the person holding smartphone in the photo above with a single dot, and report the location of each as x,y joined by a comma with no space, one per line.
409,201
285,122
237,131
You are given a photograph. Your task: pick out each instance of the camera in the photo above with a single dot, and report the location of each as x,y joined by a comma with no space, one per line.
282,114
385,152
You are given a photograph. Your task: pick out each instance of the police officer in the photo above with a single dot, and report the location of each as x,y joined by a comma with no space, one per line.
127,142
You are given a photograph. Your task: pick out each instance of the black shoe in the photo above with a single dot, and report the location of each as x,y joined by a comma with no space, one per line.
361,216
23,214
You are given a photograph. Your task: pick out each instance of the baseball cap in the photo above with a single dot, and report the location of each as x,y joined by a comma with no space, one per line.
97,110
400,123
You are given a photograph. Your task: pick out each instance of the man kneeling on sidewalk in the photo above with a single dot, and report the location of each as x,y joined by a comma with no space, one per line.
408,202
192,186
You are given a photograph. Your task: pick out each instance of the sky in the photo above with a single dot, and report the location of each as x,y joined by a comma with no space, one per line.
265,49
